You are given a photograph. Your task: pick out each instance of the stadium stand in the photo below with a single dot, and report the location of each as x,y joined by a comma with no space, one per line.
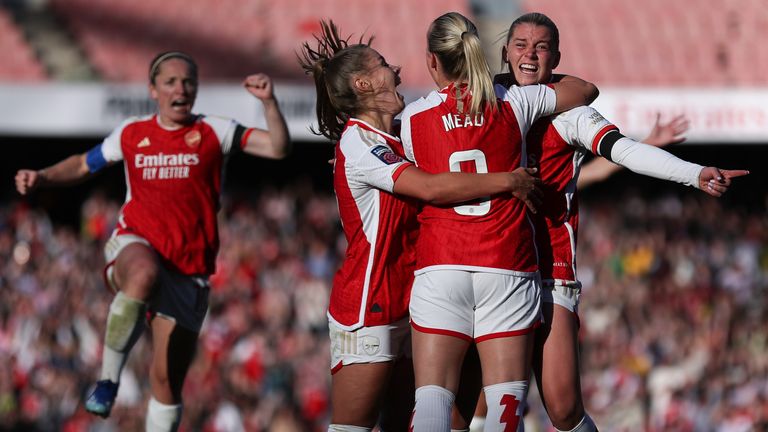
19,61
233,38
672,329
662,43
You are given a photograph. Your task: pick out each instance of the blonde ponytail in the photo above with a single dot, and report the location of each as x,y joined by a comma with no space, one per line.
453,38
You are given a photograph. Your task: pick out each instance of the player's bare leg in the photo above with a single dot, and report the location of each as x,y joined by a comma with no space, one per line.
470,391
135,273
356,392
556,365
173,349
506,367
437,363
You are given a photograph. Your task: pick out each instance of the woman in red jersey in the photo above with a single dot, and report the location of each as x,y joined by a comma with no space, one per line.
164,247
476,278
557,146
357,101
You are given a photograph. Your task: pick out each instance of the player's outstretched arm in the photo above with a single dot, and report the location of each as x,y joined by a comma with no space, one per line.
274,142
71,170
662,135
655,162
452,187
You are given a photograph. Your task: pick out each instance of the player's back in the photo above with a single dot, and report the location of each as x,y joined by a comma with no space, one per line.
493,233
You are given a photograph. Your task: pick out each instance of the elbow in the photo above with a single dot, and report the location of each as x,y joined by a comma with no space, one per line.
282,150
430,197
432,194
438,197
285,149
591,93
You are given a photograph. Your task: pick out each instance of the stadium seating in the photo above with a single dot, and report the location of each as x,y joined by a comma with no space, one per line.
659,42
235,37
19,62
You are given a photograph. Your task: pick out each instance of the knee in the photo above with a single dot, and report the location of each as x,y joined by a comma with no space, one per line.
138,277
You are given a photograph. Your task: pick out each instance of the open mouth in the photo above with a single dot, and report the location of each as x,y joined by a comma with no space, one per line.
528,69
181,103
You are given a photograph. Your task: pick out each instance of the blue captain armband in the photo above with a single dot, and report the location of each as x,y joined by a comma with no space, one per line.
95,159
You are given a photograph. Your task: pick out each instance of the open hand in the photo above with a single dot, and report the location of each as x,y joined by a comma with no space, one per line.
672,132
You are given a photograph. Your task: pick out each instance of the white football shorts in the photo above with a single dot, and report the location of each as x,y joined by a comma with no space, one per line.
180,298
563,293
475,305
375,344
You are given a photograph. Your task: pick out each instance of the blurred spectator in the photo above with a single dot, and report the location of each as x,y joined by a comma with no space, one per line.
673,337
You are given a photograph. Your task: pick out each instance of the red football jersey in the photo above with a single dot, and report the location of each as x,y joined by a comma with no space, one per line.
492,234
173,179
557,146
373,285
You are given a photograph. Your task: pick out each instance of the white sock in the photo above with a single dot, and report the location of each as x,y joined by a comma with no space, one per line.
432,411
477,424
347,428
506,402
585,425
125,324
162,417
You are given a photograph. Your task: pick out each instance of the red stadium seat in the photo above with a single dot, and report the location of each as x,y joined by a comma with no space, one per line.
660,43
19,62
232,38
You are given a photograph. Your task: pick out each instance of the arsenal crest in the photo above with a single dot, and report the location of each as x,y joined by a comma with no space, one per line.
192,138
371,345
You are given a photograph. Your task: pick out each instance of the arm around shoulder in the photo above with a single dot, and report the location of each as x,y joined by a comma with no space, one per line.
573,92
451,187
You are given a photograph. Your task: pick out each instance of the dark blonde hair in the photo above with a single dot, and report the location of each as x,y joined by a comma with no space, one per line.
333,64
154,65
454,39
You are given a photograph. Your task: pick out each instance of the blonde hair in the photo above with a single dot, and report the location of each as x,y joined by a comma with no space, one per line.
453,38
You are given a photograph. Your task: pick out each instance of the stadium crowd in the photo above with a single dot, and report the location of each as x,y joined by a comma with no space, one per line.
672,334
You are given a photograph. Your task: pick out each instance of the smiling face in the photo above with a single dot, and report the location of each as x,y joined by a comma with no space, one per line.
175,89
384,79
530,54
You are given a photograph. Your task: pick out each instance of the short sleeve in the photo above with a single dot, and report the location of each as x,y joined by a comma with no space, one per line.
369,161
230,133
421,105
111,148
529,103
405,132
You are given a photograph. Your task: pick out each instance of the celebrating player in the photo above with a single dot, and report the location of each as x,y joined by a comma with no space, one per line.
476,276
164,246
557,145
357,100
